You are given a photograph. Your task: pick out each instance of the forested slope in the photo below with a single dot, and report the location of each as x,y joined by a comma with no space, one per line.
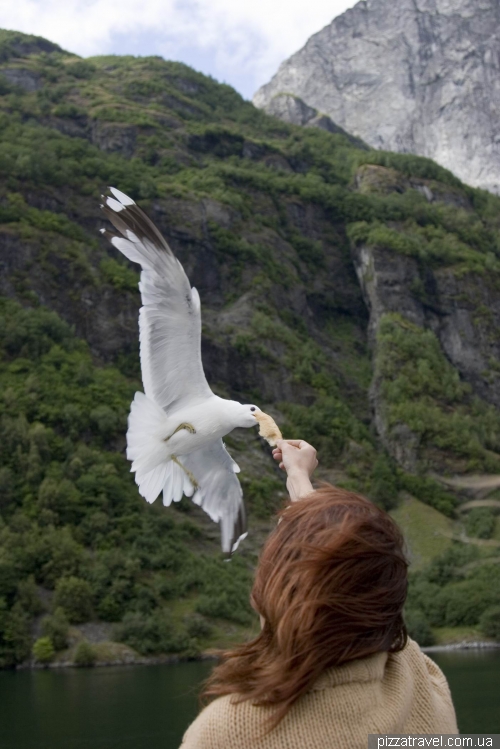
355,294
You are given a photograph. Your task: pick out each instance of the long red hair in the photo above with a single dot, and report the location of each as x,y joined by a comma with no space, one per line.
330,587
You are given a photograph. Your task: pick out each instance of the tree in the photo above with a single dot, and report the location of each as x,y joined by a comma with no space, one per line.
489,623
74,596
85,654
418,627
43,650
480,522
56,627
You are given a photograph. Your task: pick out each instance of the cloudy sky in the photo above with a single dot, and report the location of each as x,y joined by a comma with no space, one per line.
240,42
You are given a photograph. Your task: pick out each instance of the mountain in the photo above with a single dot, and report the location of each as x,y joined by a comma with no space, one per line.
354,294
413,77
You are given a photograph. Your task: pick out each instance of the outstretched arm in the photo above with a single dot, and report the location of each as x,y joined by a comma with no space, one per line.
298,459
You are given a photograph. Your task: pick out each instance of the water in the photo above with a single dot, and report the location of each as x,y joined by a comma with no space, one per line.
149,707
474,679
137,707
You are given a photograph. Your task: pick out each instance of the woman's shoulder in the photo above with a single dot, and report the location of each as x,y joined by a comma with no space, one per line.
420,662
431,697
435,674
218,724
395,690
206,728
412,659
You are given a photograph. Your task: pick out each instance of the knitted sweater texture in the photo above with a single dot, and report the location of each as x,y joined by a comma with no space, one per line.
384,693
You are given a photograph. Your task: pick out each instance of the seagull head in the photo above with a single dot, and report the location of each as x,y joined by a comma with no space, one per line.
248,415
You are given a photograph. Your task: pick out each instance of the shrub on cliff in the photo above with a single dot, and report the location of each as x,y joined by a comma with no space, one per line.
480,522
74,596
152,634
15,638
43,650
456,588
419,387
418,627
489,623
85,654
56,627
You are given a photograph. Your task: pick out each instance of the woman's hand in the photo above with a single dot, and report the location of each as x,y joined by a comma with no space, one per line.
298,459
296,456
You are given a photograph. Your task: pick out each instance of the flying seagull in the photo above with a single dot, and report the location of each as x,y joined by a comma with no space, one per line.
175,427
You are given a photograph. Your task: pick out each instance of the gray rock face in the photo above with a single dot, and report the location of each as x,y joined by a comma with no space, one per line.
416,76
23,78
114,137
462,311
292,109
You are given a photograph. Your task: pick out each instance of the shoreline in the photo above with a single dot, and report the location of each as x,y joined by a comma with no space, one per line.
153,660
164,660
464,645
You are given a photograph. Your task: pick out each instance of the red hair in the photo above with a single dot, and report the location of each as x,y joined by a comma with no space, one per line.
330,586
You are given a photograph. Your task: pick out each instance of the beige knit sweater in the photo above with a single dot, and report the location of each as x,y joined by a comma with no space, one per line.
384,693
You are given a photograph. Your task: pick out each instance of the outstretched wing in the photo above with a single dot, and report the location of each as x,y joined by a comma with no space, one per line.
170,319
219,491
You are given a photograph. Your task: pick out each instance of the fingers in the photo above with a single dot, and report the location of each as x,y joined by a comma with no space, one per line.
294,447
293,443
295,455
278,457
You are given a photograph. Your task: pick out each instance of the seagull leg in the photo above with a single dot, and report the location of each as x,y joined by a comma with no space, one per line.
186,471
188,427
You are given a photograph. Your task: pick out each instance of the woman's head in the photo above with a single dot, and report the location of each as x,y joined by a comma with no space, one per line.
330,587
332,578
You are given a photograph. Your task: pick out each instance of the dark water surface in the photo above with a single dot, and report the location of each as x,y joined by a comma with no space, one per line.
135,707
474,679
149,707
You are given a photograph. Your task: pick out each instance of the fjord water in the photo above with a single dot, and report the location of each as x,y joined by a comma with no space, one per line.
149,707
136,707
474,679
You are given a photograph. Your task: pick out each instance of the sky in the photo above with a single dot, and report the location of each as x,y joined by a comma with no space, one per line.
240,42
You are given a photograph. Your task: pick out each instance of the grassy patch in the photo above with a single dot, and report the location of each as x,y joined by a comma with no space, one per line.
427,532
452,635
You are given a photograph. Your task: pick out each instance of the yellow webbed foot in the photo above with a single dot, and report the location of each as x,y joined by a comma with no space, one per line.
186,471
188,427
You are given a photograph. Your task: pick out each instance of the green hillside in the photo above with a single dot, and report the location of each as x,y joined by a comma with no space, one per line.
352,293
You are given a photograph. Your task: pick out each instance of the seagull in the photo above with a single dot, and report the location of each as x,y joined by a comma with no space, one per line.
175,428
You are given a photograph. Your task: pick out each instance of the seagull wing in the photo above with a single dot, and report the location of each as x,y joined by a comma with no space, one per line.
170,319
219,491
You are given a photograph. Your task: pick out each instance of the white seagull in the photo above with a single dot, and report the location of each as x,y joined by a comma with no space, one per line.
175,427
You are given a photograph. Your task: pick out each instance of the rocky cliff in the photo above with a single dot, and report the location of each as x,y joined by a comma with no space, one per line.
415,76
293,237
353,293
406,295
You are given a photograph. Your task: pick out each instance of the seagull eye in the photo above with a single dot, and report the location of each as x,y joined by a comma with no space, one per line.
253,408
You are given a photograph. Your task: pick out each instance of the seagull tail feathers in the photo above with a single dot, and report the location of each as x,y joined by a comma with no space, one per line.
154,470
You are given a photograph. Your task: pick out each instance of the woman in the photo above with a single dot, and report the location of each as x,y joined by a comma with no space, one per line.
332,663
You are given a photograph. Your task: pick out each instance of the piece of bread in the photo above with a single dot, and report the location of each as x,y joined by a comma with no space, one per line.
268,428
